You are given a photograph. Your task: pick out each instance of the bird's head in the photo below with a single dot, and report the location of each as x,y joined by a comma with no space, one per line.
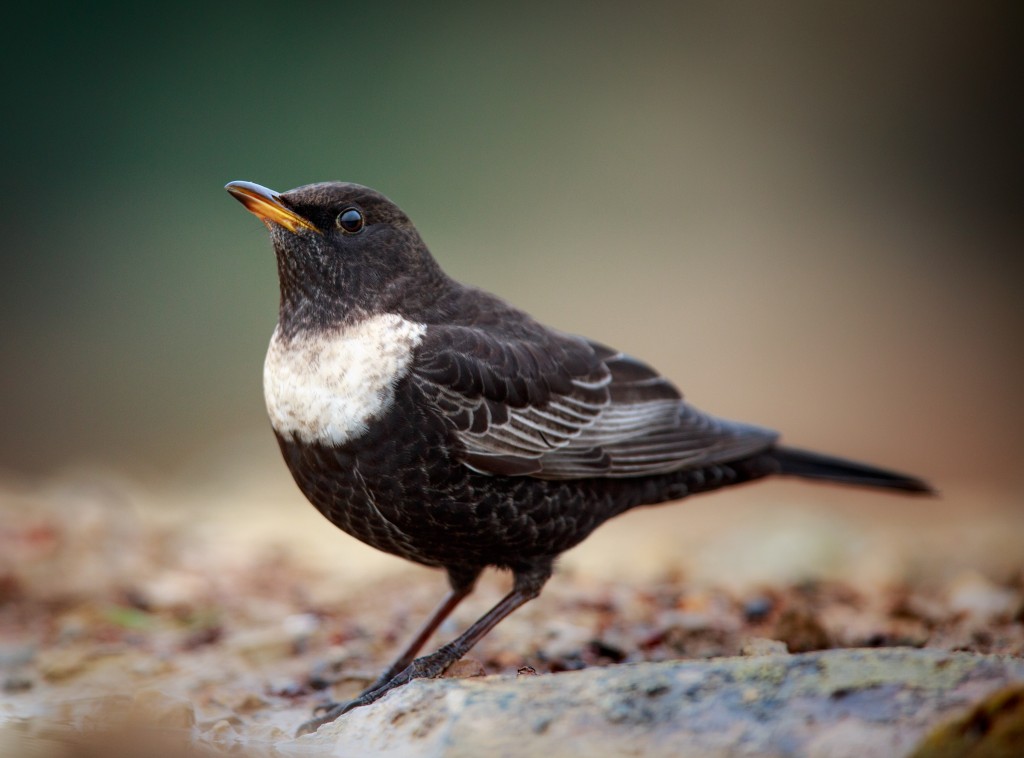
344,252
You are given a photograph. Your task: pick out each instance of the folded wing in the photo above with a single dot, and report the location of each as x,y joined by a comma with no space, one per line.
555,406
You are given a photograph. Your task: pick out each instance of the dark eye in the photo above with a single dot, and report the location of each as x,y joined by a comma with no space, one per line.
350,221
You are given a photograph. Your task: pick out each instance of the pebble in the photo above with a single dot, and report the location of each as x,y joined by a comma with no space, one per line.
975,595
757,608
261,646
222,731
801,631
248,703
12,656
156,708
59,664
14,684
763,646
464,669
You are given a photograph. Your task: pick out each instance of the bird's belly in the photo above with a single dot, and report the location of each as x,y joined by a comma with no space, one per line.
398,494
355,493
396,486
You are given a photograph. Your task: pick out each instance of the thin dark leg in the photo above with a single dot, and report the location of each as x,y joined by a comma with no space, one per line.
461,588
527,586
461,585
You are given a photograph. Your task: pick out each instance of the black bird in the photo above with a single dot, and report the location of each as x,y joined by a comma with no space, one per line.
437,422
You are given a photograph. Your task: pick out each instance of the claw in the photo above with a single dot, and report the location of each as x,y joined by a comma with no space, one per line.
323,708
311,726
331,712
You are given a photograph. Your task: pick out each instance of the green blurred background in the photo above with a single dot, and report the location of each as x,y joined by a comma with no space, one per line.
808,214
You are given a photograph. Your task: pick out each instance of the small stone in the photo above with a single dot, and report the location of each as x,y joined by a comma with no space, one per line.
801,631
464,669
12,656
288,688
763,646
72,627
606,650
974,595
15,684
261,646
301,625
59,664
206,635
148,667
222,731
156,708
249,703
758,608
173,589
94,713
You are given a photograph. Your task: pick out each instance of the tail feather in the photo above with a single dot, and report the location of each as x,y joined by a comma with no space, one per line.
808,465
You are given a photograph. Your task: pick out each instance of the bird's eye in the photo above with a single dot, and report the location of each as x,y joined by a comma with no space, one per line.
350,221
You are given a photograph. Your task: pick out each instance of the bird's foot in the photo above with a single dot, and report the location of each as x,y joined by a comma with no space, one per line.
426,667
330,712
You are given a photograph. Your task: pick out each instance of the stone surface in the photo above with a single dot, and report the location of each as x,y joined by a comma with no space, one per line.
993,728
831,703
189,622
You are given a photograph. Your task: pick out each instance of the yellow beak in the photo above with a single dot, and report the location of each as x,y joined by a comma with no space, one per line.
267,206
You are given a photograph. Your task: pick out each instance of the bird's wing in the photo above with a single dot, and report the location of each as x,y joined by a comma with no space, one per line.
554,406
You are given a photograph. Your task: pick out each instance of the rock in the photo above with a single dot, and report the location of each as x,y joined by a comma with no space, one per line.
994,728
467,667
973,594
832,703
14,684
248,702
154,708
763,646
260,647
758,608
63,663
301,626
222,731
801,631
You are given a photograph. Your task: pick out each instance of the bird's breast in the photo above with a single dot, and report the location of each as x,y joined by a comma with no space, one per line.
326,386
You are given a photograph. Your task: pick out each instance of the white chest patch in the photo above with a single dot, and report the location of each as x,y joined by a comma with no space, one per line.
327,387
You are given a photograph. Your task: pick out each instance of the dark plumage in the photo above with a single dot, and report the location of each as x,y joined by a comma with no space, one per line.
436,422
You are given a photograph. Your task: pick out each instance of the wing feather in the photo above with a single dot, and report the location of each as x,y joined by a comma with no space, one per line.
550,405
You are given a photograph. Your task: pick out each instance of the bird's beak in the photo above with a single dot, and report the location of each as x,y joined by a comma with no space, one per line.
267,206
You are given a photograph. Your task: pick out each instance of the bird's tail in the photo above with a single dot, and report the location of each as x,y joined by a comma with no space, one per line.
808,465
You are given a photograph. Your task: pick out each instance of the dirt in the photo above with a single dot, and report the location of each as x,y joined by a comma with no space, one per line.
216,611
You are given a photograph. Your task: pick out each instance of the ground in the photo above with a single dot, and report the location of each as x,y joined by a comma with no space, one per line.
227,609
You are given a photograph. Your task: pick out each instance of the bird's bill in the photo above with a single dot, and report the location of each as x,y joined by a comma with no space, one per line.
267,206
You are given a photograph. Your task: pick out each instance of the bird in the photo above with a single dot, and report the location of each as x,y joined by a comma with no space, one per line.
437,422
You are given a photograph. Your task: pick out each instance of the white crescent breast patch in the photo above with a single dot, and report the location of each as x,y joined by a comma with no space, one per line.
327,386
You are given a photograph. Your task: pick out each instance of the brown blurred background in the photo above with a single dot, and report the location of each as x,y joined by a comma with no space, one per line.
809,215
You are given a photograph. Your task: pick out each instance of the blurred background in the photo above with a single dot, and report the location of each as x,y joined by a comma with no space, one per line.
809,215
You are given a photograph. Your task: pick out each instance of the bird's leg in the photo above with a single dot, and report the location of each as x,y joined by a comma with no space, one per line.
527,586
454,597
461,587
